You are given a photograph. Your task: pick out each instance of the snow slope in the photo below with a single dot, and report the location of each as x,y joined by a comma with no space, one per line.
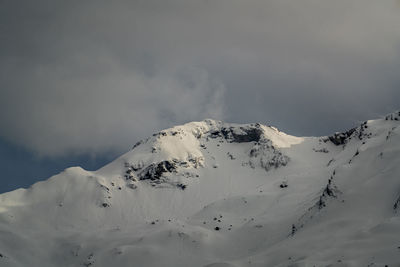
216,194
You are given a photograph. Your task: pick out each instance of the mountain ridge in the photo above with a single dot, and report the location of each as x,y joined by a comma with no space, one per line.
217,194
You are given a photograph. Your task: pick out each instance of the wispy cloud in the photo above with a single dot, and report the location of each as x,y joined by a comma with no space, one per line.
94,76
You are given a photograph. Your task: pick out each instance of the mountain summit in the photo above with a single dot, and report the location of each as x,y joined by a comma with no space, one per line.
218,194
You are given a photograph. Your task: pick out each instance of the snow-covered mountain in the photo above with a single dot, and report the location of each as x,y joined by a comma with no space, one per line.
216,194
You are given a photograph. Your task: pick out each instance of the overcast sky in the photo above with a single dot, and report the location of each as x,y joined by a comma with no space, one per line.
90,78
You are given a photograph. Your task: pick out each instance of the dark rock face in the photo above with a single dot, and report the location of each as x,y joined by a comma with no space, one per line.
252,135
243,135
341,138
155,171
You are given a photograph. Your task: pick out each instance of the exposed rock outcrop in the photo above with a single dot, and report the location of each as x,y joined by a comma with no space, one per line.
267,156
156,170
341,138
243,134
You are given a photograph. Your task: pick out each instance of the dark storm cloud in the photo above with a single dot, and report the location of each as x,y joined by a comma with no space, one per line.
93,76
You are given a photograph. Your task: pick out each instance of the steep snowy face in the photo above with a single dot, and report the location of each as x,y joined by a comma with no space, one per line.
216,194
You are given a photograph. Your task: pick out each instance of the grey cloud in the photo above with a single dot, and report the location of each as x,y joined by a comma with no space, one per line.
108,112
94,76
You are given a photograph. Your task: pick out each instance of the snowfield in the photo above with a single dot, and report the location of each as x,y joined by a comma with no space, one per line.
218,195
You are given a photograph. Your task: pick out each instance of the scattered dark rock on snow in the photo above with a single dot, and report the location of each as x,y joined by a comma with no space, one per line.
393,117
232,157
181,186
396,205
390,133
294,230
217,228
130,172
361,133
89,261
105,188
137,144
322,150
283,185
355,155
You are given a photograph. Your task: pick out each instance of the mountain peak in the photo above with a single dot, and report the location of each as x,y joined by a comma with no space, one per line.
199,144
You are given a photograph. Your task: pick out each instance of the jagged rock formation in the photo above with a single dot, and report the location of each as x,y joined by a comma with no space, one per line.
329,191
344,137
341,138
